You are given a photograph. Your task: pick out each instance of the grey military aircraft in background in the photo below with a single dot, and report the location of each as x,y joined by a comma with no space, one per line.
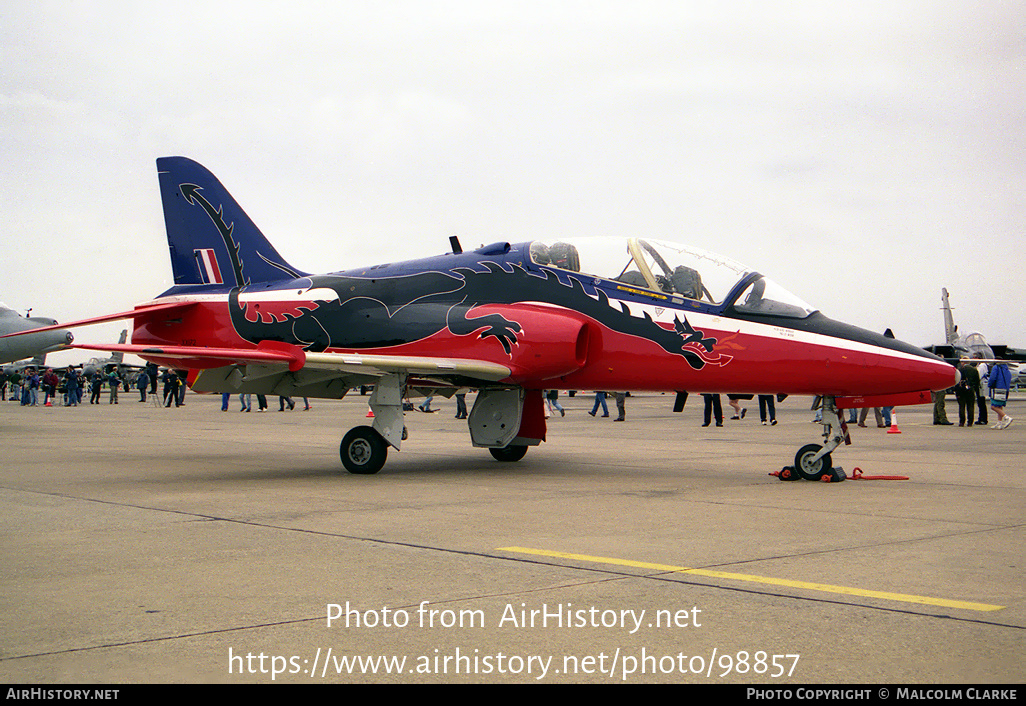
115,360
974,345
28,345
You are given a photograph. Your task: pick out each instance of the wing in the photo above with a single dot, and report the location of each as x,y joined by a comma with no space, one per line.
281,368
421,366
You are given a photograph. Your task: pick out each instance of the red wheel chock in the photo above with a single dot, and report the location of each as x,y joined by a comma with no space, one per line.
835,476
858,475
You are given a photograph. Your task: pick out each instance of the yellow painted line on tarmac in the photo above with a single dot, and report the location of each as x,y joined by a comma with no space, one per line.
752,578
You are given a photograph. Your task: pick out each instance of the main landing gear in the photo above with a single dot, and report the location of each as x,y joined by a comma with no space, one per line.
364,449
813,462
495,422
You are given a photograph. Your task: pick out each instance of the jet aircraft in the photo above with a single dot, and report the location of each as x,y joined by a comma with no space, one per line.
974,345
508,319
971,345
116,361
38,335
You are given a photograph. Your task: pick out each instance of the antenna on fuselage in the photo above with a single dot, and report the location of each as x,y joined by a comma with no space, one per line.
454,242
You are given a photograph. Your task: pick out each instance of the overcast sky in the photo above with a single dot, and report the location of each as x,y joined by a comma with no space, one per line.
863,155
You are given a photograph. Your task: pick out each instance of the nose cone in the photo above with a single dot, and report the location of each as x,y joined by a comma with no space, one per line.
860,362
941,376
903,365
29,343
55,340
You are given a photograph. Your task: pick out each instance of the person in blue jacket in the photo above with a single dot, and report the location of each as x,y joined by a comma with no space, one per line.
72,381
1000,382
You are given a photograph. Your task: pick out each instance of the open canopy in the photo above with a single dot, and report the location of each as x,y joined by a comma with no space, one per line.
671,268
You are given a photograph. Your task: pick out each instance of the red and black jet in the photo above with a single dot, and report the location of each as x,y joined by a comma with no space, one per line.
509,320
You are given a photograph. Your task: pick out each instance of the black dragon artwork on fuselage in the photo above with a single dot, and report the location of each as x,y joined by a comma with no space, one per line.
377,312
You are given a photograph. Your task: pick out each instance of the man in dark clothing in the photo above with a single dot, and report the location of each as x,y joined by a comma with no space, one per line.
621,406
713,408
142,382
72,385
171,383
965,391
153,372
95,386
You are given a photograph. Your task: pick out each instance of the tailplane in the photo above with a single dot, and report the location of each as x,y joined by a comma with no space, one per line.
212,240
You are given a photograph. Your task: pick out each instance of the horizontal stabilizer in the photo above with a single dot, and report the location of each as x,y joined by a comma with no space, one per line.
140,312
203,357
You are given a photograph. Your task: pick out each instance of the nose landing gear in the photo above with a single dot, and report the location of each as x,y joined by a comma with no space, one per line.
813,462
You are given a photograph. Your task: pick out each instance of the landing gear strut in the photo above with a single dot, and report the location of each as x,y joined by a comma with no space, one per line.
364,449
813,462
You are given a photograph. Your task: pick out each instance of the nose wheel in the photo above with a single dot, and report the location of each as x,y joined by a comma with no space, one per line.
809,466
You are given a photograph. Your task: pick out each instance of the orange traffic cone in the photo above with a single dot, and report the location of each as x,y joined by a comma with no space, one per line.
894,423
370,413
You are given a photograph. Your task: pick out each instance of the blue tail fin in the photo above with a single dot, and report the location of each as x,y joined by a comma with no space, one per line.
211,238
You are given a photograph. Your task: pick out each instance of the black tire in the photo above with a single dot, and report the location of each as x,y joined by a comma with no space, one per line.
363,451
808,470
509,454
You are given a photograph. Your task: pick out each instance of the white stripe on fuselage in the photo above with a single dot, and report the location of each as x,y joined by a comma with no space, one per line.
267,296
716,326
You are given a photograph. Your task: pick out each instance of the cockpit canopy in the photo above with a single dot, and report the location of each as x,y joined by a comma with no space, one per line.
974,345
672,269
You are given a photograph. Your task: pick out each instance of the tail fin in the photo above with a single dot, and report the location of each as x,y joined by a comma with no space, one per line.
211,238
119,356
950,330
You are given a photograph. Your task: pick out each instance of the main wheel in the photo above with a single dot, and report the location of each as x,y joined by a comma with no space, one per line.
509,453
363,450
808,469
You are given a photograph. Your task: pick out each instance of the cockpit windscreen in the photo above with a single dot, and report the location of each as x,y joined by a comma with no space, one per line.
669,268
